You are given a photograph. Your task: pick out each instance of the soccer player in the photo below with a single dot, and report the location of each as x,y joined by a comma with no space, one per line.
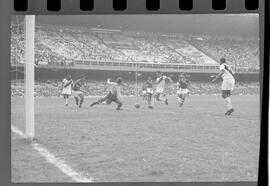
182,89
114,95
227,74
161,80
77,92
66,88
144,92
149,92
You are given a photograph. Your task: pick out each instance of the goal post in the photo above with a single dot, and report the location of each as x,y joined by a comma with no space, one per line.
29,76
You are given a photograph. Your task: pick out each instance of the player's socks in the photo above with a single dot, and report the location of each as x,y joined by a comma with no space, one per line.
94,103
66,102
119,106
166,101
81,102
229,112
228,103
77,101
183,100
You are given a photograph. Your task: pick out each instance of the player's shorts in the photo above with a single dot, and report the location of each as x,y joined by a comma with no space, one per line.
149,90
159,91
158,94
66,92
77,93
228,84
182,91
111,97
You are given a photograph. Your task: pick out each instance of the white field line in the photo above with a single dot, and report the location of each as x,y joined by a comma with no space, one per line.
58,163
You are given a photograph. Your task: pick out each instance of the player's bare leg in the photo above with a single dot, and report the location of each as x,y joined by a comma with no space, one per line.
100,101
163,99
119,104
81,100
181,99
145,97
226,96
76,100
66,97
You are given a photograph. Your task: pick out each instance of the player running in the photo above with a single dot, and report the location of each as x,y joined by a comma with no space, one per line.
227,85
114,94
77,92
182,89
66,88
161,80
149,92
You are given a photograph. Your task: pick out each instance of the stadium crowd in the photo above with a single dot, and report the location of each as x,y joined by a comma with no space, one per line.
97,88
64,45
239,52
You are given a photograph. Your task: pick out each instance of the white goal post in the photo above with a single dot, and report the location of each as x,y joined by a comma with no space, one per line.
29,76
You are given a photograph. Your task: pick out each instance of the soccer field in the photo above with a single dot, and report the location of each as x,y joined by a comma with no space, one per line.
194,143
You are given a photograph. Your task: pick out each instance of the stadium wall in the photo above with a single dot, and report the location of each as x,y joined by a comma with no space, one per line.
58,74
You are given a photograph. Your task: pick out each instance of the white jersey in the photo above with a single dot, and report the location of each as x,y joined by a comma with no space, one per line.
161,83
227,71
67,89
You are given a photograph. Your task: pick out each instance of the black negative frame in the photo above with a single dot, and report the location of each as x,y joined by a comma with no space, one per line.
133,7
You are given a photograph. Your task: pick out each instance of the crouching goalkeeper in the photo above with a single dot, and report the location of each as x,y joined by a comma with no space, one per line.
114,95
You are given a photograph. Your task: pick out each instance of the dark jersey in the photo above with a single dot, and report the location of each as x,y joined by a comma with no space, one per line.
149,84
77,86
183,84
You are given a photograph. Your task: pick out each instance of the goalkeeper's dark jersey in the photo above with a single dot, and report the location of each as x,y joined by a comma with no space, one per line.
183,84
149,84
77,86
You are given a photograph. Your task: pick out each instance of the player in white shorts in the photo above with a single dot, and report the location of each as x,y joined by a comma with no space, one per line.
66,88
161,80
227,74
182,89
149,92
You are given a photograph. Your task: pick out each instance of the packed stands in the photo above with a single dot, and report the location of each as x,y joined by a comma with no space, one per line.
243,53
62,45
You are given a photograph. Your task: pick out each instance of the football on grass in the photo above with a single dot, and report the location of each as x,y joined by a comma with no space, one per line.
137,105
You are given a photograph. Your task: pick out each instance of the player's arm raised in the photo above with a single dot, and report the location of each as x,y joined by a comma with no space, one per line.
110,82
170,79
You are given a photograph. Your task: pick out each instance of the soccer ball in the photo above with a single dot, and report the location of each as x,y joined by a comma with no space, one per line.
137,105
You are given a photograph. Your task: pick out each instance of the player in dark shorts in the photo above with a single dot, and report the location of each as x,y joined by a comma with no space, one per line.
113,95
182,89
77,92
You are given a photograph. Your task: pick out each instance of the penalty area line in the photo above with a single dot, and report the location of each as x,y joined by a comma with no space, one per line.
56,162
